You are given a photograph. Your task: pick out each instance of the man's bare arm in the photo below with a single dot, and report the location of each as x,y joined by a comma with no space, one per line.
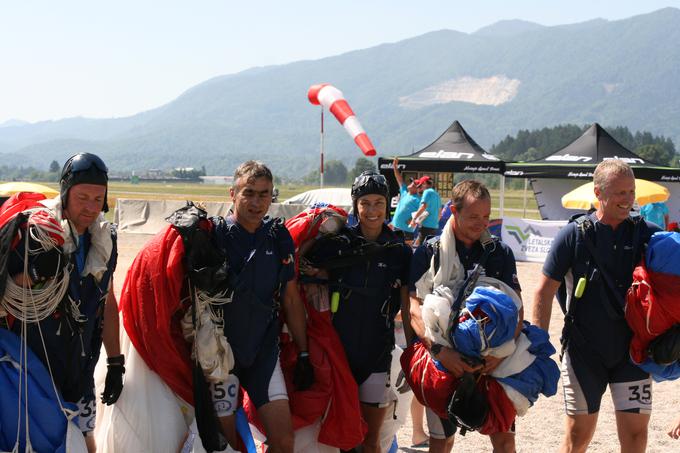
111,333
295,316
417,324
543,300
397,173
406,314
421,209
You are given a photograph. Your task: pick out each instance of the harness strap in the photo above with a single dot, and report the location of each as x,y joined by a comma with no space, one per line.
614,308
488,245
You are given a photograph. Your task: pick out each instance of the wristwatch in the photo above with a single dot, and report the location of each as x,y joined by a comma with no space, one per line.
435,349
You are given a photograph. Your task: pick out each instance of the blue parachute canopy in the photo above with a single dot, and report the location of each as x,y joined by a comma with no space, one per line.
501,321
542,375
47,423
663,253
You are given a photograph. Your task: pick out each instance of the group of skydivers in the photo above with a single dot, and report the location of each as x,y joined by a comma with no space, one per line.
254,272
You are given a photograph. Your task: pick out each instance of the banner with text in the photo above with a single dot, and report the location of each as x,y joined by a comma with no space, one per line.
530,240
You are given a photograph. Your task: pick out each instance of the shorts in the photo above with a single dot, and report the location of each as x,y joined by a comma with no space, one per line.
585,379
442,428
87,414
377,391
263,381
425,232
408,235
439,428
225,396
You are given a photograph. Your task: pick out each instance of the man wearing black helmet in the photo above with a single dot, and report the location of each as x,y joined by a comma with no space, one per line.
70,338
369,288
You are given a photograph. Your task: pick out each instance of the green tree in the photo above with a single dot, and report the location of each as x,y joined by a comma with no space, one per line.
335,173
54,167
361,165
656,153
676,161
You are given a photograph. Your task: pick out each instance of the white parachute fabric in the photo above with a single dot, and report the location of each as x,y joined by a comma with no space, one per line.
210,345
398,411
148,416
437,308
75,441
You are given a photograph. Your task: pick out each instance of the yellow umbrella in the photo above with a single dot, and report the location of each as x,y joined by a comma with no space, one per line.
10,188
645,192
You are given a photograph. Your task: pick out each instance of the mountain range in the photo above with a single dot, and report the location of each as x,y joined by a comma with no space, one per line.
508,76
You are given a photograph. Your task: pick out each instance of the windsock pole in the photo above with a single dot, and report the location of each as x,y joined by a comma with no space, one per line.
321,169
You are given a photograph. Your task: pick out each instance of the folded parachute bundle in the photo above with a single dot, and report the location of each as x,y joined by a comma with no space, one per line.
307,226
435,388
333,398
653,308
488,321
159,322
486,327
30,228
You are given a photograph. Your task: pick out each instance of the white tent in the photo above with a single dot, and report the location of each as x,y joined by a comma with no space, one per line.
340,197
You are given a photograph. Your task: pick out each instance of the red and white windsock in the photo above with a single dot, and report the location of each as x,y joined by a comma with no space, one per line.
330,97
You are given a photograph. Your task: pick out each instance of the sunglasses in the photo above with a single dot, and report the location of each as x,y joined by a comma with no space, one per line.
363,179
82,162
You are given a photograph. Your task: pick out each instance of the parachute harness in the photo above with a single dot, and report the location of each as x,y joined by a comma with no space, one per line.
32,305
35,304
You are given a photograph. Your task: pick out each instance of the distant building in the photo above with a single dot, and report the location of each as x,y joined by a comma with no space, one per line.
155,173
218,180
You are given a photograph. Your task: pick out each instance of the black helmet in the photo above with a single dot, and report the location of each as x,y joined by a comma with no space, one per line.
83,168
369,182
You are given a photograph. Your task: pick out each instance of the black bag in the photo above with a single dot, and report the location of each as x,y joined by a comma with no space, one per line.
665,349
207,268
468,407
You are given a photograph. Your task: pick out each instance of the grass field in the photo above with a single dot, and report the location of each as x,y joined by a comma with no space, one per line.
514,204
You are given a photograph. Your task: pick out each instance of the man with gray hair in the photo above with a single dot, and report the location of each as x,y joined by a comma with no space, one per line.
590,267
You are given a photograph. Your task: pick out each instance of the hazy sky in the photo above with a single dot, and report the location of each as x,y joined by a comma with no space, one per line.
63,58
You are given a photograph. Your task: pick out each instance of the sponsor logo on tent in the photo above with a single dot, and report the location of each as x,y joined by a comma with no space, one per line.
569,158
514,173
580,174
481,168
441,154
388,166
628,160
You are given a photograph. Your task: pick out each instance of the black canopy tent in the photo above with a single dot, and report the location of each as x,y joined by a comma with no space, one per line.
554,175
578,160
452,152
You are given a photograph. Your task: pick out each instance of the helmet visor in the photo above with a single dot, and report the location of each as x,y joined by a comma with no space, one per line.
82,162
363,180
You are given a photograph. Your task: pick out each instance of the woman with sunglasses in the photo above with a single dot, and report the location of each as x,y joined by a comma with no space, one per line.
367,266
